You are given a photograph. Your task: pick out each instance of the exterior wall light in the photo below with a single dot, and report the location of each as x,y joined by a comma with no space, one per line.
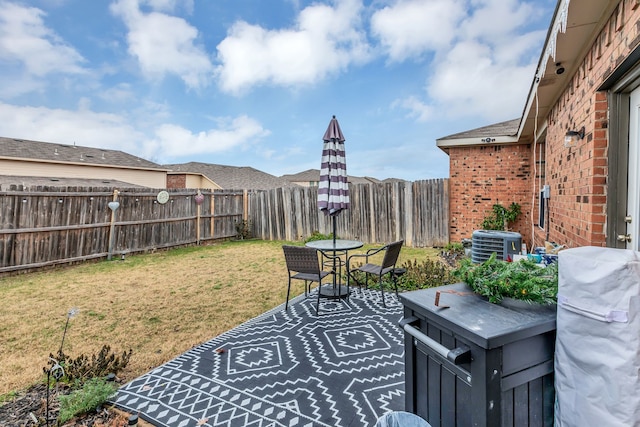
572,137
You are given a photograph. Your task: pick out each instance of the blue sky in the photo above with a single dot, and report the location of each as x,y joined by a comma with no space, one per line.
255,82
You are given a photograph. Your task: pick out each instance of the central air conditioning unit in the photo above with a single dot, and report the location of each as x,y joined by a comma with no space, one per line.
485,242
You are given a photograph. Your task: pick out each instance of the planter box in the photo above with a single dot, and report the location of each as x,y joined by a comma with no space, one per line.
476,363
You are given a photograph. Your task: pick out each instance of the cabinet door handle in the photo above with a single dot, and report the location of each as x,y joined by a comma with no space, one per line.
458,355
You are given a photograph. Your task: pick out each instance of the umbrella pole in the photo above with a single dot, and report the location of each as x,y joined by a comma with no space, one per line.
334,230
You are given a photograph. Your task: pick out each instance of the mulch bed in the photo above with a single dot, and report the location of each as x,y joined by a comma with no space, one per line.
29,409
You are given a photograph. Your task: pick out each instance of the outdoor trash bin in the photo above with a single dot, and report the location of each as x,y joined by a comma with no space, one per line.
598,339
475,363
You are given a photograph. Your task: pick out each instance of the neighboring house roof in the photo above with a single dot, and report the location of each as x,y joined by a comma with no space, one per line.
29,181
392,180
233,177
313,175
363,180
310,175
26,150
558,62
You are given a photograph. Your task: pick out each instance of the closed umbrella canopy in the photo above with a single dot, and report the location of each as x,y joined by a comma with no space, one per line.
333,190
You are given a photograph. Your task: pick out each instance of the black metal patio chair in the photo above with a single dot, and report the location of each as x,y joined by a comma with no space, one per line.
388,266
303,264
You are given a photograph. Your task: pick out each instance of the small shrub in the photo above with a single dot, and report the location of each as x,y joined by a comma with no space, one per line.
83,367
243,229
425,274
456,247
452,253
316,235
94,393
419,275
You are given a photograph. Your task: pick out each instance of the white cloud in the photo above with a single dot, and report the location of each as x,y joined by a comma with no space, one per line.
113,131
170,5
469,80
411,27
164,44
84,127
26,40
486,70
511,15
232,133
417,109
324,41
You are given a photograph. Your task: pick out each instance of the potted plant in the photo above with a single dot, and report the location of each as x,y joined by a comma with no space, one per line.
522,280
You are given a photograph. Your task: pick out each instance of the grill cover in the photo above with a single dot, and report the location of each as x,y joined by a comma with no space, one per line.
597,359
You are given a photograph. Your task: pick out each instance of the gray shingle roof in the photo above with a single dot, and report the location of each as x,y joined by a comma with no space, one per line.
310,175
29,181
508,128
62,153
313,175
233,177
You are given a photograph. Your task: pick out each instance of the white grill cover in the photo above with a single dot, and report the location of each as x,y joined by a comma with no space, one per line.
597,359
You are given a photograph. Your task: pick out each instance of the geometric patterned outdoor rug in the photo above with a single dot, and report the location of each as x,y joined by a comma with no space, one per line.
342,368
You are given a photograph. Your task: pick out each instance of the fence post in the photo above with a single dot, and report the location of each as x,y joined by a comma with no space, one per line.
408,212
213,213
245,204
113,205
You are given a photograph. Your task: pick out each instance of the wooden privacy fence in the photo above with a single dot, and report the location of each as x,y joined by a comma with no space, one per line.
417,212
43,226
46,226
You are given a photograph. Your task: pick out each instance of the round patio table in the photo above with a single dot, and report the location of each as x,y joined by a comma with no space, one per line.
334,247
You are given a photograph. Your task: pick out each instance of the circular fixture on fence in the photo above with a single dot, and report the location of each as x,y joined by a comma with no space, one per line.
163,197
199,198
114,205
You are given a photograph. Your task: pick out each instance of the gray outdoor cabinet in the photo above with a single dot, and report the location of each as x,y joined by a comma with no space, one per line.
476,363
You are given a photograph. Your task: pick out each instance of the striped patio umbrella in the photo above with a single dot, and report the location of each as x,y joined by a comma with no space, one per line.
333,190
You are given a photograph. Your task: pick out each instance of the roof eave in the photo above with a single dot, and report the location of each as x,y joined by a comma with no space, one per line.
470,142
584,20
58,162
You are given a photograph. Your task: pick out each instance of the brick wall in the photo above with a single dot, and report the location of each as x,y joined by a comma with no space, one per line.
578,175
483,176
176,181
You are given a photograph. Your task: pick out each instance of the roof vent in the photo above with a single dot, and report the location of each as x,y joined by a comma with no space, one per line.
485,242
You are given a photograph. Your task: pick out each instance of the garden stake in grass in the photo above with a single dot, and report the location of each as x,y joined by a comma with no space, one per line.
56,369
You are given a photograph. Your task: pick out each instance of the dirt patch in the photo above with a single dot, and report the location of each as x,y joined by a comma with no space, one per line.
29,409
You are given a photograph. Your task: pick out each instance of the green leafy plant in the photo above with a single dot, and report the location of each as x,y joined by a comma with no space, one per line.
500,217
316,235
457,247
93,393
522,280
